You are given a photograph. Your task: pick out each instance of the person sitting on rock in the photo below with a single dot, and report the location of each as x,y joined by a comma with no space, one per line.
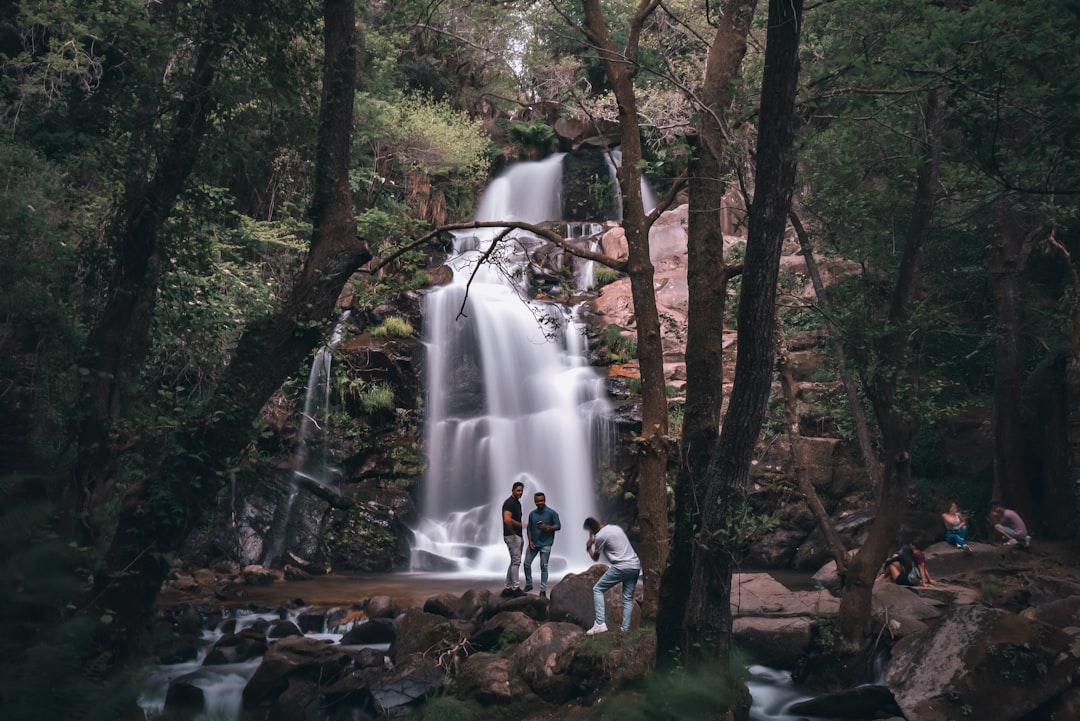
956,527
907,567
1008,523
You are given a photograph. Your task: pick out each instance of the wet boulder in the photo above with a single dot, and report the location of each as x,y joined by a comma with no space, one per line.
236,647
294,656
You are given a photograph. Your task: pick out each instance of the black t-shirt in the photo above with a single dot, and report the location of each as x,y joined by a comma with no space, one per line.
514,506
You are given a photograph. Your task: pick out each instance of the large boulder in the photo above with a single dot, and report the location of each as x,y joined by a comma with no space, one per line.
422,632
489,679
504,630
544,661
295,656
981,663
775,642
572,599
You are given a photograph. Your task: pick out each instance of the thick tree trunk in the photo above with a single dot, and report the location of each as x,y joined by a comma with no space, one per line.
653,444
119,341
155,520
1008,259
707,280
708,618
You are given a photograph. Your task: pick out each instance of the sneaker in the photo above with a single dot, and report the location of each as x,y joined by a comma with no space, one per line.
528,587
1026,542
597,628
507,592
967,549
543,594
517,593
1011,542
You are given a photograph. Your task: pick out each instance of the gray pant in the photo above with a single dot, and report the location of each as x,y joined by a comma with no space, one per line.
514,544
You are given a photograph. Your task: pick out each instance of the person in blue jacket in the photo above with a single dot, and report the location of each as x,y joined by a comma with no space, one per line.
540,531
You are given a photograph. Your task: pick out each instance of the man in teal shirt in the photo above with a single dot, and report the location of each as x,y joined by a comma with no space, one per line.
543,522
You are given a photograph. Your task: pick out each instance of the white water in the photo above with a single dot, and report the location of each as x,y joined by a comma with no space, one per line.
510,395
310,461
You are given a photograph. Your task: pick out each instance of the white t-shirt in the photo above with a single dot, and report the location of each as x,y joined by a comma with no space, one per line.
611,541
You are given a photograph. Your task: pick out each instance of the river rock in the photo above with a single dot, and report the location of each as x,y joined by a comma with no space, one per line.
861,702
776,642
413,682
544,661
981,663
381,607
572,599
421,632
489,679
375,630
237,647
293,656
504,630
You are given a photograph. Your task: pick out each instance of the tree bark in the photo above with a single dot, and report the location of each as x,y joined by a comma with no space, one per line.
158,517
1008,259
707,276
708,619
653,443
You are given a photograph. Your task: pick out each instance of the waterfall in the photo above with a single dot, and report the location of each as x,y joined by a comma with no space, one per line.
310,462
510,395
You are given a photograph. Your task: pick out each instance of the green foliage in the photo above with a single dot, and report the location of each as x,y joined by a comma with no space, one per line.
616,347
50,663
223,271
409,460
536,137
603,275
377,397
702,692
394,327
738,530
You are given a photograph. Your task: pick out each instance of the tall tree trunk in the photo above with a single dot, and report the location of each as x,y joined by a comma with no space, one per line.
119,341
708,618
268,353
707,281
889,395
1008,259
653,443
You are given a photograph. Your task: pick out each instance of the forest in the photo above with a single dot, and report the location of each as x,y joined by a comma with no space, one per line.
189,188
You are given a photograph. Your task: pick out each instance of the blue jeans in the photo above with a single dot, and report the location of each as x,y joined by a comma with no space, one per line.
956,536
545,554
628,578
513,571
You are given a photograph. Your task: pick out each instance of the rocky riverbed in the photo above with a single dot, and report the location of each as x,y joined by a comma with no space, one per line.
995,637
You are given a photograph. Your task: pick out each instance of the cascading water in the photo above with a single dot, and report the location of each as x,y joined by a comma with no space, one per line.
310,463
510,394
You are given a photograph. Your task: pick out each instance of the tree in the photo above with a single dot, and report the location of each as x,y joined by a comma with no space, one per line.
707,281
621,65
707,634
269,351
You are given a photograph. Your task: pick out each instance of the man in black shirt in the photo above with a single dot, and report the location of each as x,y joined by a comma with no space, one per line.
511,522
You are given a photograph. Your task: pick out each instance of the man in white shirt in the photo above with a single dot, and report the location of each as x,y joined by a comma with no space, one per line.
623,567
